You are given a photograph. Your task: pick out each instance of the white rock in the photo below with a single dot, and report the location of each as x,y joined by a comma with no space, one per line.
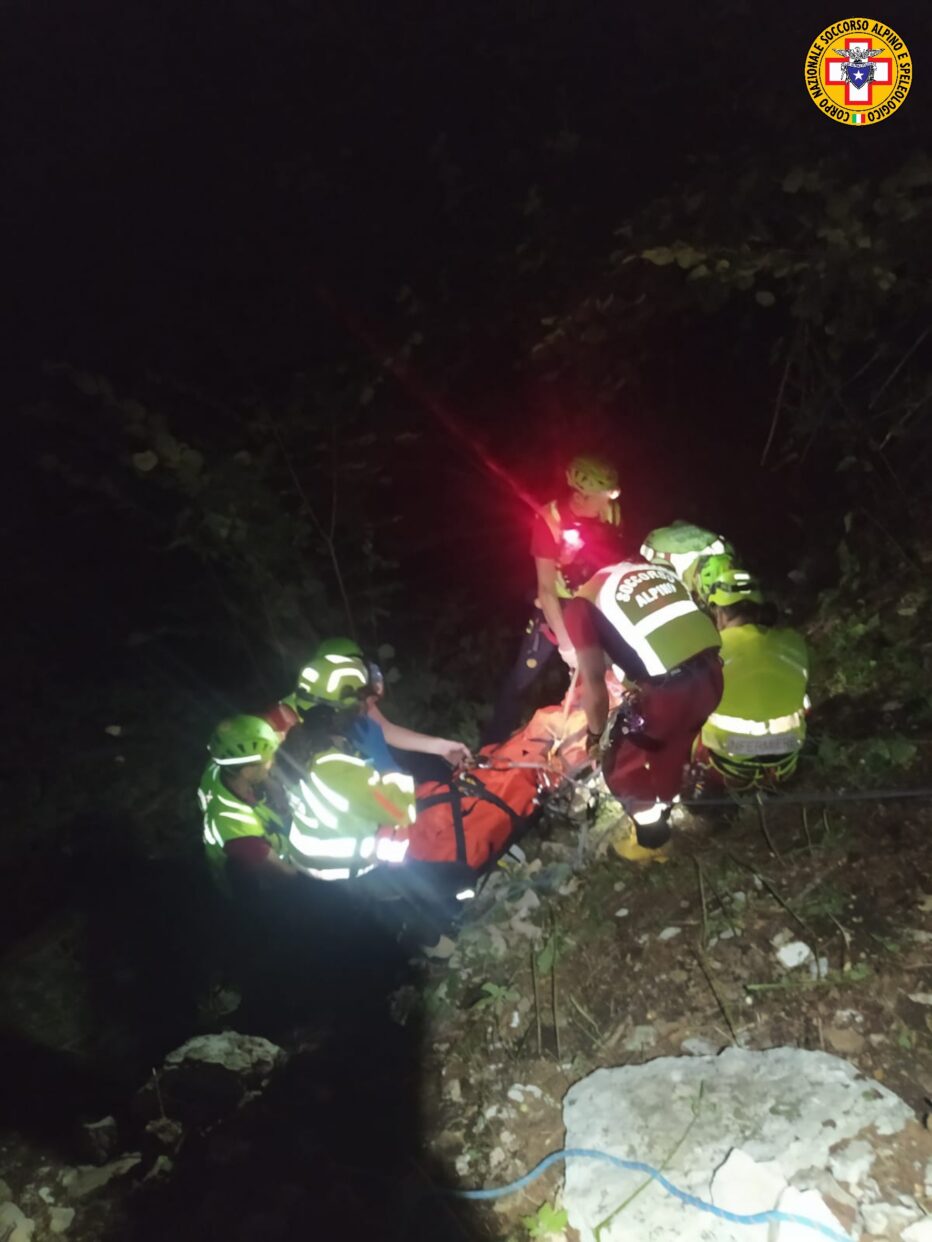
696,1046
921,998
785,1109
46,1195
15,1226
454,1091
640,1039
496,1157
622,913
883,1219
516,1093
461,1164
808,1203
61,1219
920,1232
85,1179
794,954
241,1054
669,933
852,1163
746,1186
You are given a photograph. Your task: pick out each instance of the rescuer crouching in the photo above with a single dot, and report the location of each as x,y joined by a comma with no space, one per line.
641,618
350,808
753,738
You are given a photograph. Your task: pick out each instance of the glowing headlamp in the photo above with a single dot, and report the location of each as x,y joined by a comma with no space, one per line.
572,538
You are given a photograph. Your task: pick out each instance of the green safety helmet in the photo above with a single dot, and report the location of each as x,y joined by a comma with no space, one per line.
708,572
591,475
680,546
734,586
350,647
332,678
243,739
338,646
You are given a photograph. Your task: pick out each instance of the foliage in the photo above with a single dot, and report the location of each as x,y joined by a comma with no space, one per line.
287,568
871,659
546,1221
496,996
840,268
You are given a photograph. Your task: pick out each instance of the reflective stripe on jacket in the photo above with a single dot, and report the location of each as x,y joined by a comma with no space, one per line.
654,613
346,817
762,711
226,817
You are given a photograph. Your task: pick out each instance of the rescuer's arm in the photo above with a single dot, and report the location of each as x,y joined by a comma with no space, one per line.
455,753
549,600
591,657
255,854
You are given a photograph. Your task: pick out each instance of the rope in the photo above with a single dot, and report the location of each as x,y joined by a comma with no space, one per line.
778,799
639,1166
805,799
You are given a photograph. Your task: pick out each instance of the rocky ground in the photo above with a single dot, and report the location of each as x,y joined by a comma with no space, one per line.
806,928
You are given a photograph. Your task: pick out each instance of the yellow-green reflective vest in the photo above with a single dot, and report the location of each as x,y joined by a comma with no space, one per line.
226,817
342,815
655,614
762,711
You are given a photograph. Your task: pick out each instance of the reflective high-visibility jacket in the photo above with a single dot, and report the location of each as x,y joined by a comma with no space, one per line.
654,613
762,711
226,816
347,817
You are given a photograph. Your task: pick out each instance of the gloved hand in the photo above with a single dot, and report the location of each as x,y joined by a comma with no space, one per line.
568,656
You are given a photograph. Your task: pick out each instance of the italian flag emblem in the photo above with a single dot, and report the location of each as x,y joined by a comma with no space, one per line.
857,118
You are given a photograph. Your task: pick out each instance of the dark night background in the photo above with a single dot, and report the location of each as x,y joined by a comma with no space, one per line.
220,217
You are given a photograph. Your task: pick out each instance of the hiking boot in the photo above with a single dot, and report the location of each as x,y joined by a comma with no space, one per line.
641,843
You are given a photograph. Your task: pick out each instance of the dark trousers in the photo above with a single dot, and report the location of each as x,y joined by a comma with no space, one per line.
534,654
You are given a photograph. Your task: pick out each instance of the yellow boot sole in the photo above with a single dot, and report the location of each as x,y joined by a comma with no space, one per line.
625,844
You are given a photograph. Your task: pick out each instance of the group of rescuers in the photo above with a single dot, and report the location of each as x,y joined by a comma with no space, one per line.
715,692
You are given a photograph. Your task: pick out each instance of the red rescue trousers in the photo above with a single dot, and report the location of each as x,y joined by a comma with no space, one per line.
646,767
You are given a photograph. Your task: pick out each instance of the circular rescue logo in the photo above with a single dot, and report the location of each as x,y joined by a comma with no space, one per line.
858,71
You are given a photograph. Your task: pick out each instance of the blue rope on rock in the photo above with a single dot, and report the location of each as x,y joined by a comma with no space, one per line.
638,1166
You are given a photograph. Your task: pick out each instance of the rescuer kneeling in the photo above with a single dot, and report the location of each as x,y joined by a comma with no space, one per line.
642,619
243,836
571,539
351,808
753,738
